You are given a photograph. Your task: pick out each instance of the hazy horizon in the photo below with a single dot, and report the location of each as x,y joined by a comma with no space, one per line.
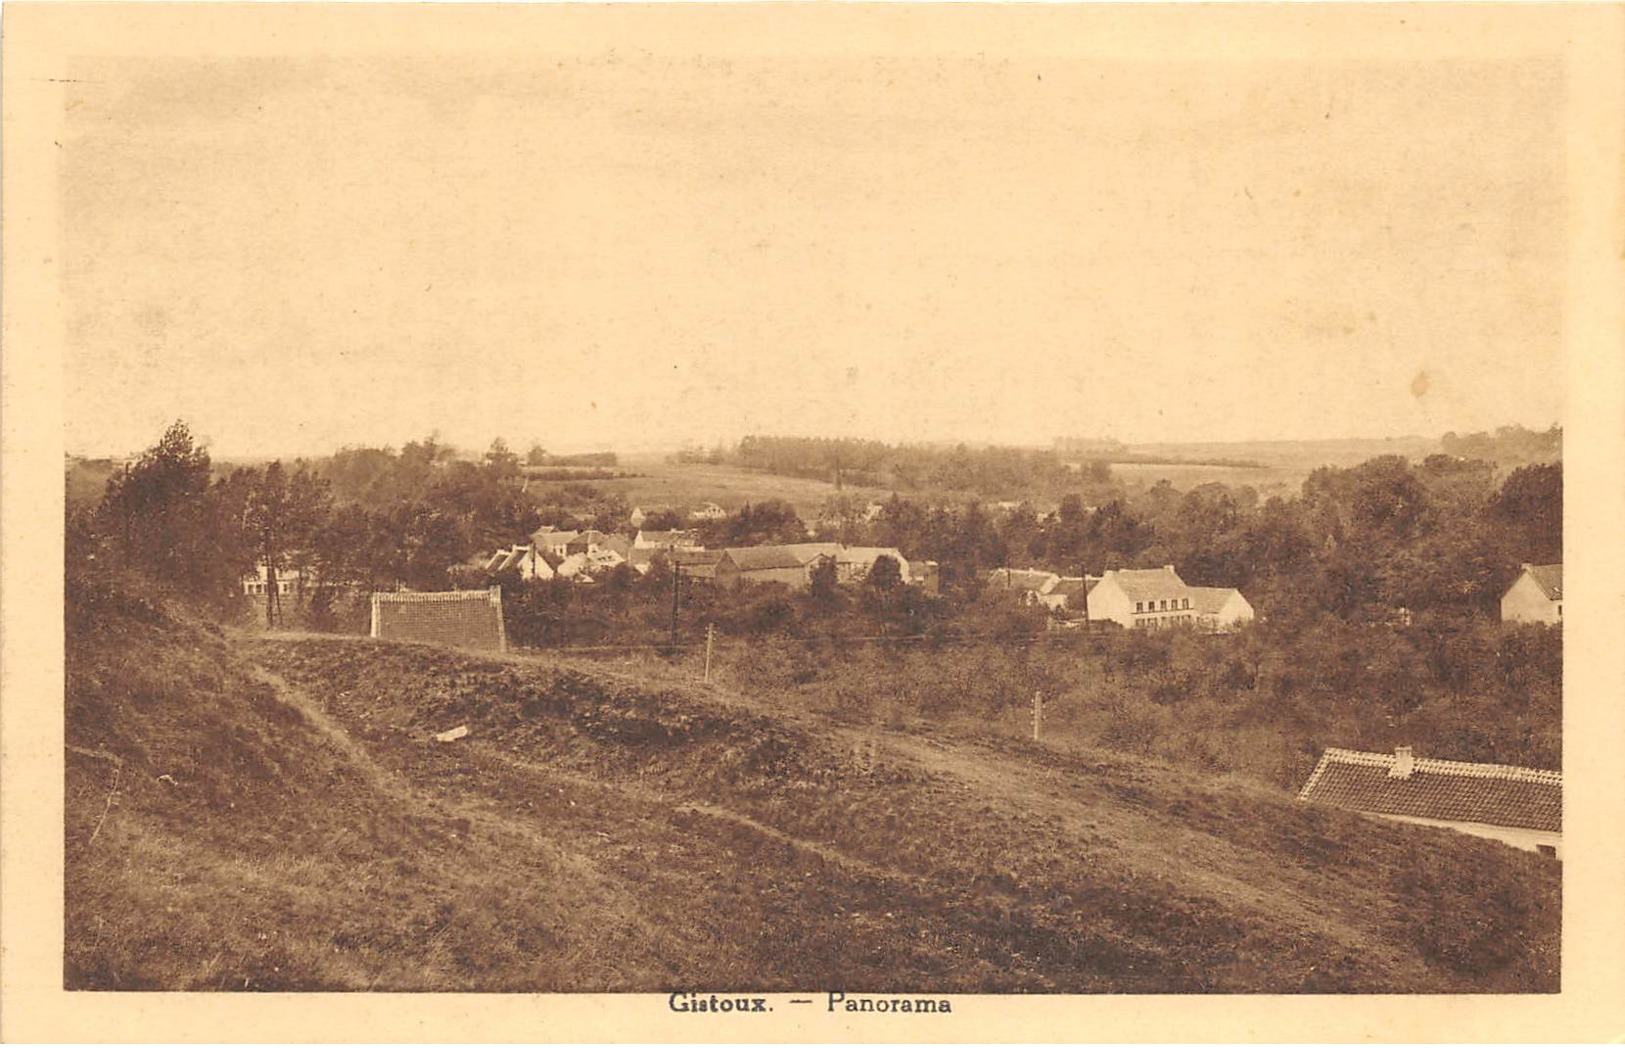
631,250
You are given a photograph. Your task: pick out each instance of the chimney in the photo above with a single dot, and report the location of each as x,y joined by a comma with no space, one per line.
1169,568
1404,763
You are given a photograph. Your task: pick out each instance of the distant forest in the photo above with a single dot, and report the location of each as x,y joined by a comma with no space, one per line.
1071,465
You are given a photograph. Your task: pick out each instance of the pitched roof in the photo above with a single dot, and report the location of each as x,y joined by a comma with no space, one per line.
808,551
765,558
1209,600
870,554
1549,577
695,563
1069,586
554,539
1451,791
460,618
1149,584
1025,579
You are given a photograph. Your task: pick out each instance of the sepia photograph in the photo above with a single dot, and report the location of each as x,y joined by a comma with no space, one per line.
930,506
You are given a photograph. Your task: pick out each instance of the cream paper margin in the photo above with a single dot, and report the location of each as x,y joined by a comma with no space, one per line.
40,39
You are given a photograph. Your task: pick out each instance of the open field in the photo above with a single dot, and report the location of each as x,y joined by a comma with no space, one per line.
663,483
272,813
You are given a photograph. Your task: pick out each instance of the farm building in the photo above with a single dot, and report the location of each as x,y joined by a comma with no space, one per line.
784,564
455,618
1536,596
853,563
1522,807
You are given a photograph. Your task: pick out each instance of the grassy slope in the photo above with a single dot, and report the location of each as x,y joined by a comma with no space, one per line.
599,832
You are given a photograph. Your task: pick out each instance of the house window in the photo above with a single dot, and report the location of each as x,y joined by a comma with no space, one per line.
1560,611
1164,605
1139,607
1187,602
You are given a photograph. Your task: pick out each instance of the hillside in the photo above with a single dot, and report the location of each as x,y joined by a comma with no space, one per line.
273,813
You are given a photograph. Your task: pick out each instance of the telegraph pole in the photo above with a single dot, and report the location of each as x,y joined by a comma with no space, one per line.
676,576
710,633
1038,714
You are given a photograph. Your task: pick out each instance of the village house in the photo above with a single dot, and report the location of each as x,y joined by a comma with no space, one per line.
551,540
665,540
526,560
1152,598
1067,593
1030,583
853,563
255,585
587,542
694,563
783,564
1522,807
1536,595
1220,609
708,512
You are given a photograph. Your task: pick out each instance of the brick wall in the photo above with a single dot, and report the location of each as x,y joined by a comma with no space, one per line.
458,619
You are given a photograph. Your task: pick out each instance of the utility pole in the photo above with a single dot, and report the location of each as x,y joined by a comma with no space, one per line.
1038,714
676,576
710,633
1085,573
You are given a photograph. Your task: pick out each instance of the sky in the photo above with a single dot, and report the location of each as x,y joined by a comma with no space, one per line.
637,249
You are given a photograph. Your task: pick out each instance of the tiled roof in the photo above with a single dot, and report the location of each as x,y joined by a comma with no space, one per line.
870,554
1451,791
764,558
1150,584
1209,600
806,552
1070,587
1549,577
554,539
1023,579
696,563
458,618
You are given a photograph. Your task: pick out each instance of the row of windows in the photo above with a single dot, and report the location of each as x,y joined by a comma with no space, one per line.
1160,623
253,588
1141,607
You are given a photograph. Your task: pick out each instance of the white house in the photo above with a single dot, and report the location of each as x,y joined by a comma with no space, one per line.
1522,807
665,540
1536,596
1152,598
1219,608
526,560
709,511
554,542
255,585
